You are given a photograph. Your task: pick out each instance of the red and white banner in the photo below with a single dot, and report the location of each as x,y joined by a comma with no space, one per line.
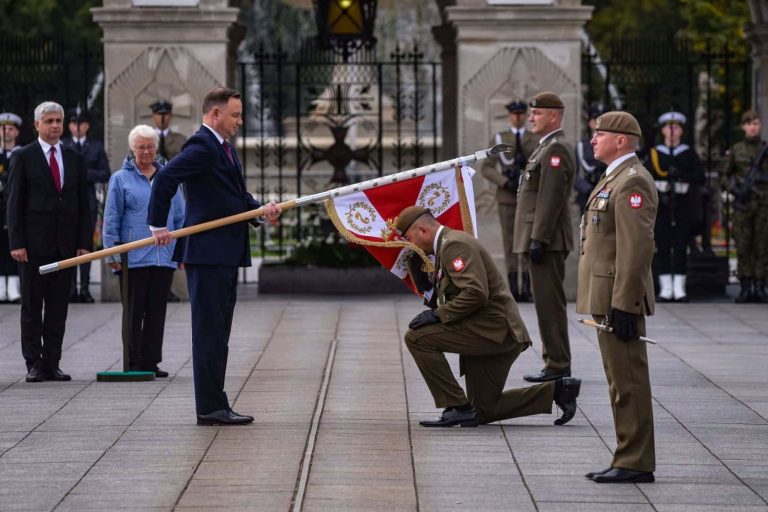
368,217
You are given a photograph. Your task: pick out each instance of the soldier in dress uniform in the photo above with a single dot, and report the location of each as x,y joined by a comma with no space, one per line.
750,219
504,171
97,165
616,287
544,233
475,316
675,169
170,142
588,168
9,269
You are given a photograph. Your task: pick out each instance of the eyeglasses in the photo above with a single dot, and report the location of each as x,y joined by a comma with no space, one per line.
141,149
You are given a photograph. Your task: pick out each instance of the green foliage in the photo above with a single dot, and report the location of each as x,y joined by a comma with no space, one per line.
330,252
50,18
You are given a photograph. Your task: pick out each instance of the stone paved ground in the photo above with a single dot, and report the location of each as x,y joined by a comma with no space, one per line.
337,401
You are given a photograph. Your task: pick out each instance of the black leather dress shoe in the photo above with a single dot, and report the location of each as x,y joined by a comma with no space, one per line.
58,375
624,476
86,297
223,417
160,374
593,474
566,391
546,376
453,417
36,374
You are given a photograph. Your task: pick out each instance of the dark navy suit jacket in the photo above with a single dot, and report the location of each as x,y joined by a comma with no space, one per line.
214,188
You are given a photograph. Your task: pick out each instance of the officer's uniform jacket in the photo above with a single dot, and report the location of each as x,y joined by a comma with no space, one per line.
617,243
472,294
682,157
173,144
494,167
543,206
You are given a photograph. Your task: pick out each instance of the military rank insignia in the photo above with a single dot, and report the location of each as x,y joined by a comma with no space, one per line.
635,201
458,264
604,194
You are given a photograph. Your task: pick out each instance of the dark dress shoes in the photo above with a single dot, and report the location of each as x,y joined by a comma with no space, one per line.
160,374
566,391
86,297
223,417
453,417
59,375
593,474
36,374
624,476
546,376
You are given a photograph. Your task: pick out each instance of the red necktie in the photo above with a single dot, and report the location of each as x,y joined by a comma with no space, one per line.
228,149
55,169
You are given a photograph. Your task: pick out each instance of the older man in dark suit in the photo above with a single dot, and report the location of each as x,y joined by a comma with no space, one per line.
48,220
215,188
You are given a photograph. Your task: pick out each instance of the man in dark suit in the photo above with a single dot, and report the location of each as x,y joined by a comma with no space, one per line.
215,188
97,166
48,220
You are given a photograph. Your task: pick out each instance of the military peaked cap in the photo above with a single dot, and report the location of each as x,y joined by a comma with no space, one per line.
10,118
547,100
408,216
516,106
618,122
162,107
749,116
78,115
672,118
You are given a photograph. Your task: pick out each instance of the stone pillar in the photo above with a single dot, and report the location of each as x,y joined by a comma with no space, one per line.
510,51
445,36
757,35
175,50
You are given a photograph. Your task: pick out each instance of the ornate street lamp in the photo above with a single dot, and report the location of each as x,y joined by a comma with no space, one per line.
345,25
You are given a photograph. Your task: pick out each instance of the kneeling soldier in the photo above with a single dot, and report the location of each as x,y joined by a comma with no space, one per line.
477,318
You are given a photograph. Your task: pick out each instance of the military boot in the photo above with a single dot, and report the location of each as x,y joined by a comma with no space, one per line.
759,294
745,294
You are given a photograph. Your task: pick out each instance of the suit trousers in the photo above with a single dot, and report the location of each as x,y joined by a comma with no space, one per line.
212,295
513,261
147,302
43,333
629,387
485,365
551,310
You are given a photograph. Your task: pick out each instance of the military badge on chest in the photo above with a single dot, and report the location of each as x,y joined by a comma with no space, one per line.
602,199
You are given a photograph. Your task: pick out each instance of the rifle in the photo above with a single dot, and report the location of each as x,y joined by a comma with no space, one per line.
744,191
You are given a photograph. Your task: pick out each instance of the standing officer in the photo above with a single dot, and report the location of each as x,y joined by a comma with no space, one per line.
477,318
543,230
675,168
170,142
750,217
504,171
616,287
588,168
9,269
97,165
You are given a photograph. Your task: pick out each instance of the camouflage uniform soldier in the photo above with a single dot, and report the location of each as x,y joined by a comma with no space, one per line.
750,219
504,171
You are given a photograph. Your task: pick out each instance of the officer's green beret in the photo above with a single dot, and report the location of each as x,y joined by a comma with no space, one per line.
546,100
749,116
618,122
408,216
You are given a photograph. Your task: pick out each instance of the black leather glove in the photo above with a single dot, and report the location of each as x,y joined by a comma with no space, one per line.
510,185
423,319
536,251
624,324
420,278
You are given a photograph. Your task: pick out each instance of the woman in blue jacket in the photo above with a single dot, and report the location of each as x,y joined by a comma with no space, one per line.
150,269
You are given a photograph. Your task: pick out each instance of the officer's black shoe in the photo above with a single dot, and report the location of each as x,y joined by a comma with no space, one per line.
86,297
160,374
593,474
223,417
36,374
745,294
453,417
74,297
759,295
545,376
624,476
566,391
58,375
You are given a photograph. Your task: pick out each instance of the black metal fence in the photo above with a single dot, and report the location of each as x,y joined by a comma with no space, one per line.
313,121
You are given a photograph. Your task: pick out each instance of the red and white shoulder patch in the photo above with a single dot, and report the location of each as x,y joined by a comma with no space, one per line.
635,200
554,161
458,264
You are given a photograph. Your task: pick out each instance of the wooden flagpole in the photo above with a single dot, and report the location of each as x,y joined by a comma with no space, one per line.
286,205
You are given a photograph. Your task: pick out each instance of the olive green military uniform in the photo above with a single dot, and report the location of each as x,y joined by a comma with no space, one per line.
750,227
615,272
480,321
543,214
171,145
494,170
